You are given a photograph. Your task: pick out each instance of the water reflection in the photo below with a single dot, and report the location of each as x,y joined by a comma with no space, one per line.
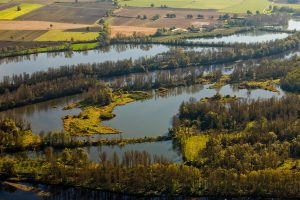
42,61
247,37
72,193
164,148
294,25
45,116
153,117
149,117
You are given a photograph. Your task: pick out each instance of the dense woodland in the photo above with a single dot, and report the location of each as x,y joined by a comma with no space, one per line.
291,81
247,139
140,173
252,148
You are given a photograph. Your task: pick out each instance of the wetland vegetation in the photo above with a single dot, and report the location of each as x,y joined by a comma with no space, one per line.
184,102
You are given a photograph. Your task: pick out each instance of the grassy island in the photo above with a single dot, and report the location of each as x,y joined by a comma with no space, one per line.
88,122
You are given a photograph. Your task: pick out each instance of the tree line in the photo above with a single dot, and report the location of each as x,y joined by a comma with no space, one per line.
286,70
16,136
169,60
140,173
42,91
23,89
275,19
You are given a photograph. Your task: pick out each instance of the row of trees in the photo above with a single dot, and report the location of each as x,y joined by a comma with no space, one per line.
11,46
140,173
22,89
236,115
276,19
291,82
40,86
32,93
171,59
285,70
268,69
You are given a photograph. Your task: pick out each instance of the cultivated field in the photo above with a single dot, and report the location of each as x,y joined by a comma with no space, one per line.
4,1
24,35
12,13
128,17
46,2
81,13
284,1
196,4
228,6
38,25
129,30
60,35
26,44
8,5
251,5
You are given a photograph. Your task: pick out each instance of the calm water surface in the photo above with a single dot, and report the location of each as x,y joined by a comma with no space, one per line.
153,116
71,193
43,61
294,25
247,37
45,116
164,148
150,117
138,119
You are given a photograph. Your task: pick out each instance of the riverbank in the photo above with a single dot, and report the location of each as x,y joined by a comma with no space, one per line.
162,39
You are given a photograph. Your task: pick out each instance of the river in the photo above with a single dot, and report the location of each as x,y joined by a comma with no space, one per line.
151,117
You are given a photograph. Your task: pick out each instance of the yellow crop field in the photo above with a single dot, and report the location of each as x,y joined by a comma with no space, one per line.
12,13
61,35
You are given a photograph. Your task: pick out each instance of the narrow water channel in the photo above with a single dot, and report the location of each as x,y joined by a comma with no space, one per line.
43,61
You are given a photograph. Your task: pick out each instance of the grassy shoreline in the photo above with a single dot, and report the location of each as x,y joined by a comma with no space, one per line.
61,48
88,122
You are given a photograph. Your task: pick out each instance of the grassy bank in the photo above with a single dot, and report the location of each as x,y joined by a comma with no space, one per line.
265,85
193,146
88,122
